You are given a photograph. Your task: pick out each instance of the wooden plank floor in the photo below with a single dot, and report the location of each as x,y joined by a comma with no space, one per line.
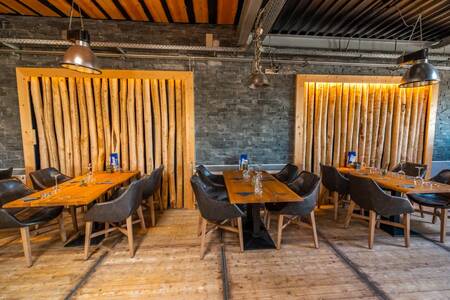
167,265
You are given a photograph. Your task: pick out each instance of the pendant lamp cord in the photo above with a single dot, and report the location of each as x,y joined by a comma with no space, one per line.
71,16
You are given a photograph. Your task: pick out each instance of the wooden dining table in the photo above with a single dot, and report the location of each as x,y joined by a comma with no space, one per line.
241,192
78,191
398,184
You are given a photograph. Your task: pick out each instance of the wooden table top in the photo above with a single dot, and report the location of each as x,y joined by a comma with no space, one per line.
393,182
240,191
71,193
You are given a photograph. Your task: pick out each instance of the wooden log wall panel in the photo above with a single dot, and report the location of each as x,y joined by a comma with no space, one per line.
299,123
145,116
382,123
157,11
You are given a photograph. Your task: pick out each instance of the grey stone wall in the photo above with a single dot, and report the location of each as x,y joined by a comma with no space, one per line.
230,118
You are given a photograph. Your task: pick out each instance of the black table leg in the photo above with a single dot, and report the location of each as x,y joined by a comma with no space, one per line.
255,233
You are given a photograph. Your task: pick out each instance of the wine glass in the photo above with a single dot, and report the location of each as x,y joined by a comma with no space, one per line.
419,175
55,188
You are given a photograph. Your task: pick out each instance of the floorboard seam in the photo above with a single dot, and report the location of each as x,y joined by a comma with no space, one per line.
363,276
89,272
224,270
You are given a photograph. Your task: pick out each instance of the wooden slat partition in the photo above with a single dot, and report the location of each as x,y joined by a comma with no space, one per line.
147,117
370,115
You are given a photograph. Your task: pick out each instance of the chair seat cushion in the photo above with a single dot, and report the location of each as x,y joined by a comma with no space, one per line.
441,200
34,216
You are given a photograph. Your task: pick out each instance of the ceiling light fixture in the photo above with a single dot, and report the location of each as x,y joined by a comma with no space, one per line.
79,57
421,73
257,78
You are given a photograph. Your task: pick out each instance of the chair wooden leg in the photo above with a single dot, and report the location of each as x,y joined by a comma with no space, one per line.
406,230
200,222
106,229
73,214
433,221
361,210
336,205
443,224
351,207
130,235
87,239
25,234
280,230
314,229
241,234
421,211
62,230
152,210
268,220
202,243
372,222
141,217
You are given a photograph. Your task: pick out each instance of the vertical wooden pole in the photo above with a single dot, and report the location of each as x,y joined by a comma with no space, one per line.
382,125
59,125
131,113
106,119
148,125
300,99
407,120
370,121
430,127
323,126
389,125
351,118
376,123
101,159
75,122
355,139
124,143
344,116
363,122
92,123
179,142
337,125
84,126
171,143
139,127
310,124
189,144
67,126
116,121
330,124
49,123
164,138
39,116
157,122
318,127
413,125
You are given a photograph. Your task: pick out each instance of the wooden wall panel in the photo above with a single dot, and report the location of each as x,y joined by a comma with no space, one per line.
147,117
370,115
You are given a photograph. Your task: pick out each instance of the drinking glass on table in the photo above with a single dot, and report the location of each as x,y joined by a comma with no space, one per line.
419,178
55,188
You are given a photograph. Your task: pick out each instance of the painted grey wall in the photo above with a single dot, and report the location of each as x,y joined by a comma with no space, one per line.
230,118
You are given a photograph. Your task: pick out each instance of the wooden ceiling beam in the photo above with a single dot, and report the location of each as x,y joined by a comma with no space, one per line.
6,10
201,11
157,11
226,11
40,8
111,9
18,7
63,7
178,11
134,10
90,9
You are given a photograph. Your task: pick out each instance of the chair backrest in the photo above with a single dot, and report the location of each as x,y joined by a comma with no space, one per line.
12,189
120,208
44,178
368,195
332,180
6,174
211,209
410,169
208,177
152,182
442,177
306,185
287,174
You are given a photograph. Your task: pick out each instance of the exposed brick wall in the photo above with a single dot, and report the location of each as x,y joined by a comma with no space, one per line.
230,118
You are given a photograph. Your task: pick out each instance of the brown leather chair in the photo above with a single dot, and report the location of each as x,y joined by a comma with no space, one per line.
45,178
150,185
287,174
6,174
335,183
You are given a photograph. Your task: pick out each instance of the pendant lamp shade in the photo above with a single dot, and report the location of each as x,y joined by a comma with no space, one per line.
421,73
257,80
79,57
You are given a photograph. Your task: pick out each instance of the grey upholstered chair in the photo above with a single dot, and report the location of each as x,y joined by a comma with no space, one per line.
12,189
210,178
337,186
6,174
150,185
114,212
215,211
442,177
368,195
306,185
410,169
287,174
45,178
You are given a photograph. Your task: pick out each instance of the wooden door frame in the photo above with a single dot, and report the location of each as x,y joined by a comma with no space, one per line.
29,134
430,122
